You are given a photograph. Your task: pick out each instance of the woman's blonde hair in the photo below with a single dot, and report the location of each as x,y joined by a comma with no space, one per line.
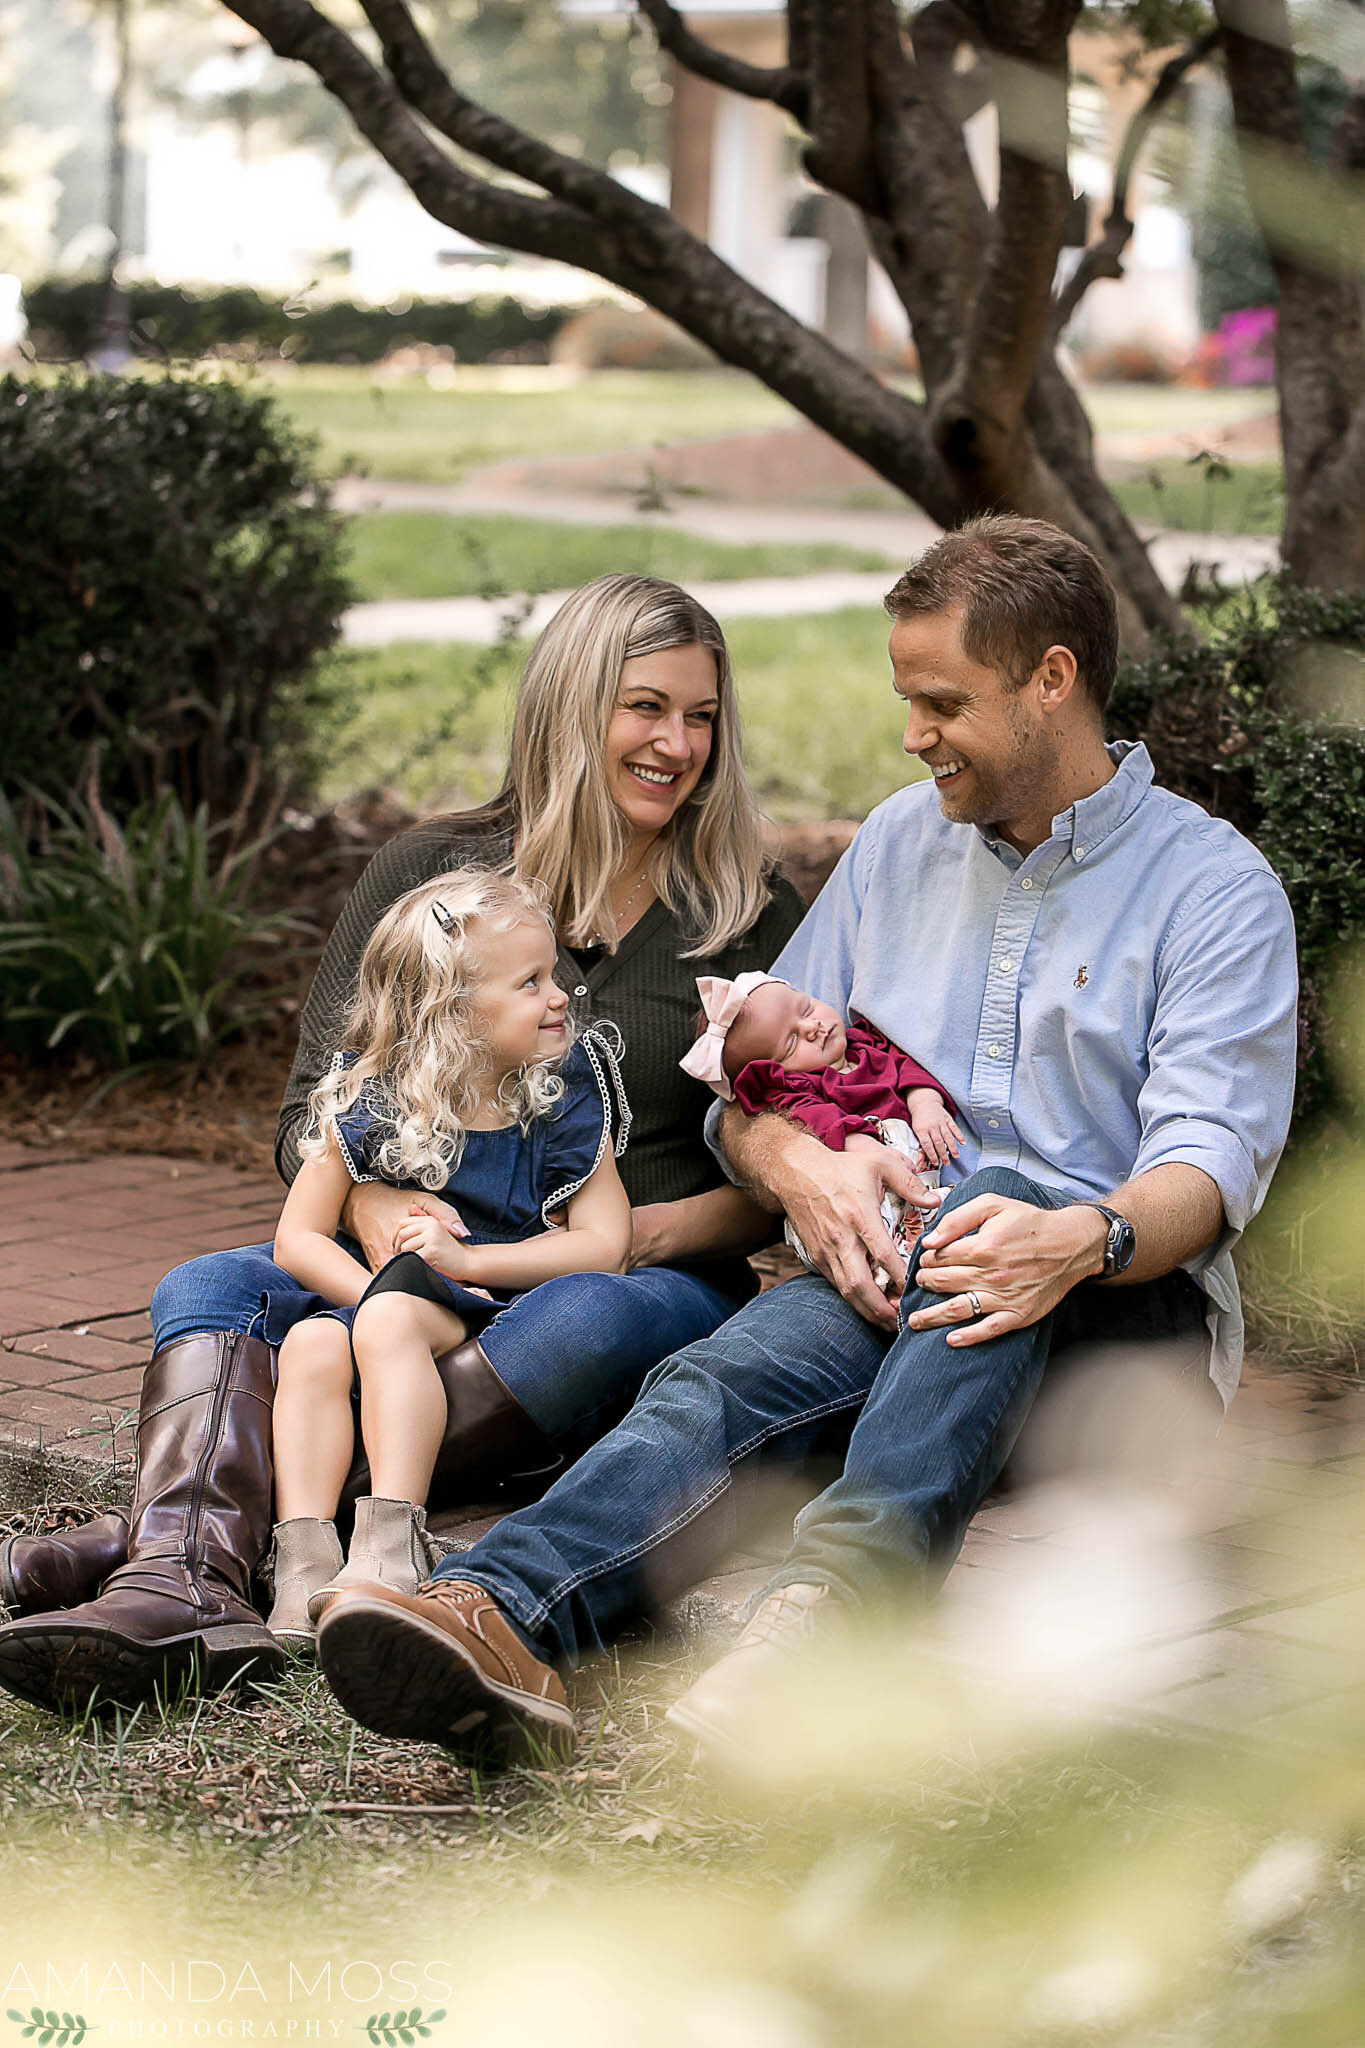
413,1026
708,865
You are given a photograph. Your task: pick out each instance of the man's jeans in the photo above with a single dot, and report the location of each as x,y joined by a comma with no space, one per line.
573,1351
661,1499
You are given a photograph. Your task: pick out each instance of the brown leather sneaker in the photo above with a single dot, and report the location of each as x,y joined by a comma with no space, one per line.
442,1665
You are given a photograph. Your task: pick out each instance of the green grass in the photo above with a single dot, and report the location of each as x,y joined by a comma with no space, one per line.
408,430
437,554
822,727
1170,408
1199,497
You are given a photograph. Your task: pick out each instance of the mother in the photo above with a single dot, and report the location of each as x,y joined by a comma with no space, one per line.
626,795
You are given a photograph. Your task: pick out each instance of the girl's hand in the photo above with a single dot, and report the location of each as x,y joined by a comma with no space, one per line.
373,1213
938,1135
430,1238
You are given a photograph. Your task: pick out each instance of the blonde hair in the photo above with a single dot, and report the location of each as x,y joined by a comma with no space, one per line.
413,1025
708,865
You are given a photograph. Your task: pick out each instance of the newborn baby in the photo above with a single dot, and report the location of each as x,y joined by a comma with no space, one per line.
771,1047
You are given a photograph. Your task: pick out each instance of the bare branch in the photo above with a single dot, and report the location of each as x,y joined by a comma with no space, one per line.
840,123
976,414
783,85
295,29
938,32
617,236
425,85
1102,258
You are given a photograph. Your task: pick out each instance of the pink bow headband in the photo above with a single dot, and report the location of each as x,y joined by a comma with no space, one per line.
722,1001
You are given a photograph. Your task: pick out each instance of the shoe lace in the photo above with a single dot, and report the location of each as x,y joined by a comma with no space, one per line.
786,1615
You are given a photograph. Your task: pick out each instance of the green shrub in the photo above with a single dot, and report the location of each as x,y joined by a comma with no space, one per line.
170,323
1263,724
130,944
170,575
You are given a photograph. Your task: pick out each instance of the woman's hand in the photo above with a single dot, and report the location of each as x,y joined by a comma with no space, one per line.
374,1212
433,1241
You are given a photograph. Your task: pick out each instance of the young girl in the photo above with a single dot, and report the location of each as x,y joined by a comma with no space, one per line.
458,1076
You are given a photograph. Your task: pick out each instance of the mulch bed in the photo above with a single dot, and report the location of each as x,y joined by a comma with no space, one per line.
224,1111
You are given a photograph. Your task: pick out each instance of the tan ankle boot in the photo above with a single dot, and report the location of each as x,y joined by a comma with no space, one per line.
307,1555
390,1547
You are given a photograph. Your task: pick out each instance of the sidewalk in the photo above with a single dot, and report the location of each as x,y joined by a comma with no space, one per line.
1230,1601
896,532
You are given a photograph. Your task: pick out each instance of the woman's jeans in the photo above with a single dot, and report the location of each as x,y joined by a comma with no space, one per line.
573,1351
661,1499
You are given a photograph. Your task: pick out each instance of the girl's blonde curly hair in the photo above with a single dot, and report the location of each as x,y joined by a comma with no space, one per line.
413,1026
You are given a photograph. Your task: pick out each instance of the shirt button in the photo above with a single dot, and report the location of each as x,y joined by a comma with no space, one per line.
1026,882
1080,853
582,989
1007,965
993,1051
994,1122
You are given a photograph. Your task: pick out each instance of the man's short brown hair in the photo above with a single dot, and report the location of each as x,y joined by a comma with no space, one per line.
1023,586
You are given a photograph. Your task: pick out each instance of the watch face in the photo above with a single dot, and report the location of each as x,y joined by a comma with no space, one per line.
1118,1253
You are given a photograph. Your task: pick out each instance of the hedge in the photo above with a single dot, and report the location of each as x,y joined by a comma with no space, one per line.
172,324
170,575
1263,723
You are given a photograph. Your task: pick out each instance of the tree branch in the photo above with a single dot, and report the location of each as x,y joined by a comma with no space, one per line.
617,236
783,85
839,155
1347,152
296,30
1102,258
936,222
975,416
425,85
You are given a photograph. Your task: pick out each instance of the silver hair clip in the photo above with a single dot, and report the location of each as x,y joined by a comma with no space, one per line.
449,924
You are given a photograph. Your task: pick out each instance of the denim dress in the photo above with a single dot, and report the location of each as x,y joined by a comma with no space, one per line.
508,1185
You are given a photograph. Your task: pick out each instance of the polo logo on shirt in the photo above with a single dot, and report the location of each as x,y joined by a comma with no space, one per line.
1082,975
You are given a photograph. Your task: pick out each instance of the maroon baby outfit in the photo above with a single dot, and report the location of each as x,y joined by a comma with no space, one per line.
836,1106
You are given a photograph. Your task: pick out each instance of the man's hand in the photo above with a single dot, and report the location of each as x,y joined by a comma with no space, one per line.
374,1212
1019,1262
834,1201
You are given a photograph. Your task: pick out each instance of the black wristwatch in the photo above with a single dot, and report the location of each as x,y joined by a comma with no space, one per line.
1120,1244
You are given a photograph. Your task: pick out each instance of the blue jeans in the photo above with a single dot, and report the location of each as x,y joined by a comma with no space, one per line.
573,1351
660,1500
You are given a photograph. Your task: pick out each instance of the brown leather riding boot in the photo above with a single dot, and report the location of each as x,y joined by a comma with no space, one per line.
63,1566
176,1616
489,1436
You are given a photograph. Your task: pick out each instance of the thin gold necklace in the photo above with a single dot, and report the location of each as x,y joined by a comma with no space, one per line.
599,937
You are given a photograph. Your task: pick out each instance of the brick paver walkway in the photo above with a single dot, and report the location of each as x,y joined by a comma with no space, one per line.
82,1245
1232,1597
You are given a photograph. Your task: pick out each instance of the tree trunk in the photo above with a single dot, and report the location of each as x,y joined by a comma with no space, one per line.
1320,342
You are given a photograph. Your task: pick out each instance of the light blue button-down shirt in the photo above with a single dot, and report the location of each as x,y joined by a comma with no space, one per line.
1122,998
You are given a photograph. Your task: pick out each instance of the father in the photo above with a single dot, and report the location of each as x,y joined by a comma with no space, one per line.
1103,977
